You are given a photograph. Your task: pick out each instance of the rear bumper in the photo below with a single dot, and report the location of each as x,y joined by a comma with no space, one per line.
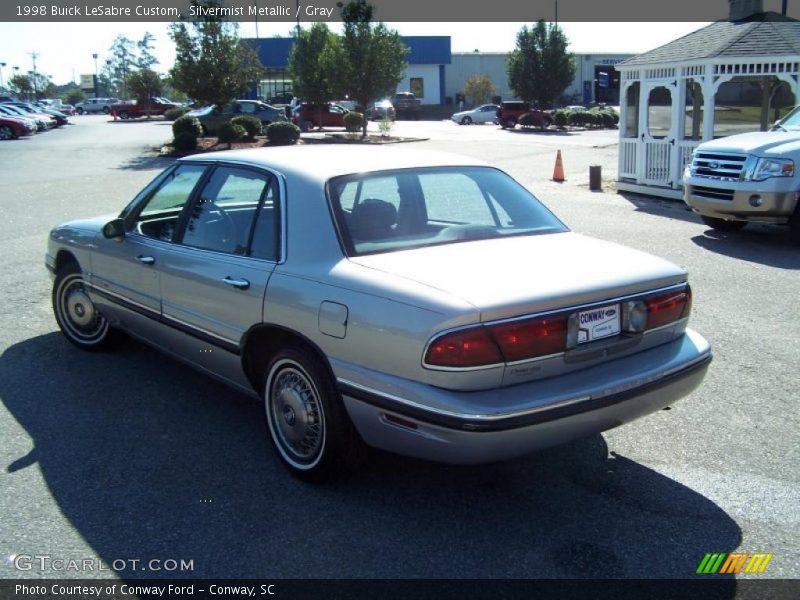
547,412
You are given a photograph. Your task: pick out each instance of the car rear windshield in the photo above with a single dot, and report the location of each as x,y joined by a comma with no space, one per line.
387,211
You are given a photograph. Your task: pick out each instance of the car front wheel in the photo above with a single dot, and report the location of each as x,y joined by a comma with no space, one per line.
76,315
722,224
509,123
107,110
307,421
466,121
6,133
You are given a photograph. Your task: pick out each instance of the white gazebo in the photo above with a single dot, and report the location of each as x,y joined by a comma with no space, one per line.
742,72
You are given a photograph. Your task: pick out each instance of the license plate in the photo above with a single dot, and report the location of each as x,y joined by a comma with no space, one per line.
598,323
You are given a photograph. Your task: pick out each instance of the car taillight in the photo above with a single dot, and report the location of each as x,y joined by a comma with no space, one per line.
465,348
668,308
531,338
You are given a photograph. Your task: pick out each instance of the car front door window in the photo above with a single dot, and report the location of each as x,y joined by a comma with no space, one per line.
159,216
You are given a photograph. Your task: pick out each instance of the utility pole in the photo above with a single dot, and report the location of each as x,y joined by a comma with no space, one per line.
33,56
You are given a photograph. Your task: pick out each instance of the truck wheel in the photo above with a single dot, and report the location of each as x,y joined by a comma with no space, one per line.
722,224
794,224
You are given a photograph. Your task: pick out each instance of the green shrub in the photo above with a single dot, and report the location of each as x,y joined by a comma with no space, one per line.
283,133
174,113
560,118
184,142
579,118
187,124
534,120
227,133
353,121
251,125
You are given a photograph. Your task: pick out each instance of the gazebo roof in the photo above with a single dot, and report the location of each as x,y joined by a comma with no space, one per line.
762,34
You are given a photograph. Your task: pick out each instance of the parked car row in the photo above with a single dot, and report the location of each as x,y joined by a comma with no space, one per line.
19,119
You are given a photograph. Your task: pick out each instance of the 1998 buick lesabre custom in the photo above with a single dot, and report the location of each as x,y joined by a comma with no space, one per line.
428,305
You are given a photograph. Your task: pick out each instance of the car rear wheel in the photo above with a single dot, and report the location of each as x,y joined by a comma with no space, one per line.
124,115
6,133
722,224
79,111
466,121
76,315
307,421
106,110
306,125
509,123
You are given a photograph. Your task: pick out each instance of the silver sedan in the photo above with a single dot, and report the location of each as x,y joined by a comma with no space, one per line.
486,113
422,303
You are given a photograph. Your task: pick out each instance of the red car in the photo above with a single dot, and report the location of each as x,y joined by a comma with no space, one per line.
307,116
11,128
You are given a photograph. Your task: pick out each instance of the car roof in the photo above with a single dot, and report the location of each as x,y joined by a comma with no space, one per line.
321,162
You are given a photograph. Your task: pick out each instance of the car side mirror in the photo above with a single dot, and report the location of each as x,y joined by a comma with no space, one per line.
114,229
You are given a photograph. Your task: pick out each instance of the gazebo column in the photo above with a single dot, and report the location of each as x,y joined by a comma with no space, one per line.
709,102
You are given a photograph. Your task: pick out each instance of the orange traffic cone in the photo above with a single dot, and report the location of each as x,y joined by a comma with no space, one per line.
558,171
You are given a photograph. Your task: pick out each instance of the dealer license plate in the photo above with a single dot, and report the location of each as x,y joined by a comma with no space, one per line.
598,323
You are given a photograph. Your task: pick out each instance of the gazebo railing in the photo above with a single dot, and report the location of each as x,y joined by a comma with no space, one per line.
627,157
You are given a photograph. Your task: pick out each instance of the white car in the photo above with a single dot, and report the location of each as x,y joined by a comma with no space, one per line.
486,113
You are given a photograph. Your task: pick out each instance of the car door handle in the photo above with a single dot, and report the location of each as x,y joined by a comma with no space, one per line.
146,260
241,284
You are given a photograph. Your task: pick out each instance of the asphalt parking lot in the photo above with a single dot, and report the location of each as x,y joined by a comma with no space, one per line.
130,456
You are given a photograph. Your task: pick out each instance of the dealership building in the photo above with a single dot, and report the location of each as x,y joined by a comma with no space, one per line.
437,75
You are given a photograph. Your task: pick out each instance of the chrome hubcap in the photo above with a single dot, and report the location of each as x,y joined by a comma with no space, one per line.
79,318
296,415
80,308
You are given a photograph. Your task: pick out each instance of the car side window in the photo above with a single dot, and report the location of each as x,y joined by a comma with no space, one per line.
222,216
247,108
158,218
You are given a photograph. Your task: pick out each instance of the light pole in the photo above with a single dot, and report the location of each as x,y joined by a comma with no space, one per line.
94,56
2,64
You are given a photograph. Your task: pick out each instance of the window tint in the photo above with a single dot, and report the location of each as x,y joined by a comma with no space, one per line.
265,233
223,214
410,208
159,216
454,198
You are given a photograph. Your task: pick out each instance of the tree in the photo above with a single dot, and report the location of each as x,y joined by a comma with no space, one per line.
540,68
315,65
74,96
146,59
212,65
122,60
143,85
480,88
32,86
373,55
20,85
